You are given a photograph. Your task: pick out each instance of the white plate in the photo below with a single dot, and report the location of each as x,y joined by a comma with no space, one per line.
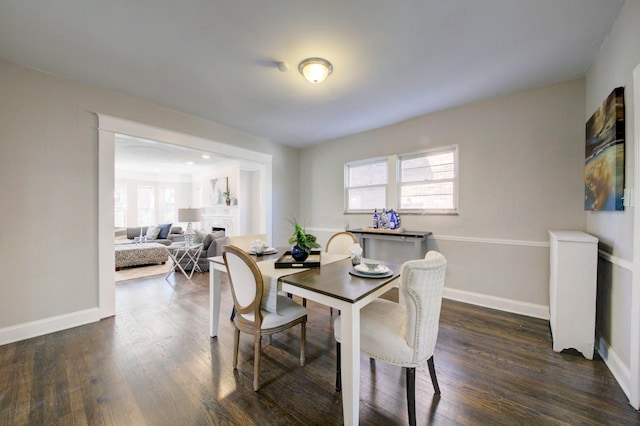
363,269
355,272
270,250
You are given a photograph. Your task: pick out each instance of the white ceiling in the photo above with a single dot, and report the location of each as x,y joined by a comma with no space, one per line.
393,60
135,157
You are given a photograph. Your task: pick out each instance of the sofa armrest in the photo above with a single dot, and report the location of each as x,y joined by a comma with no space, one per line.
215,248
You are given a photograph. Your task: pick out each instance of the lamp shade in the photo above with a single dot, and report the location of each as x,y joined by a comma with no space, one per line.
189,215
315,70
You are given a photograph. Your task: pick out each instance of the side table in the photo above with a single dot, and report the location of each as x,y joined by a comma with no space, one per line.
180,251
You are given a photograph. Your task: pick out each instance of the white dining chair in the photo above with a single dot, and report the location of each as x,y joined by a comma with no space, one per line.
340,243
405,333
246,283
244,241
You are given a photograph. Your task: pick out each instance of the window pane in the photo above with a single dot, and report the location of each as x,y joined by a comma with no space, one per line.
428,180
366,198
430,167
146,204
169,205
368,174
120,205
433,196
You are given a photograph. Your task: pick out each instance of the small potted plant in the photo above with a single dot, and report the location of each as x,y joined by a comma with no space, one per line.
302,242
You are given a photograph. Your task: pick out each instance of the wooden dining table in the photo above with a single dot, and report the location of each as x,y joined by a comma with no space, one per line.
333,285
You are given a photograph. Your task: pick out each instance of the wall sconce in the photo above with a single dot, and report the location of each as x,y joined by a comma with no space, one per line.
315,70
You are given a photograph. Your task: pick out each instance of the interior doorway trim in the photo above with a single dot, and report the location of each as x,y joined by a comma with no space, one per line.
108,127
634,367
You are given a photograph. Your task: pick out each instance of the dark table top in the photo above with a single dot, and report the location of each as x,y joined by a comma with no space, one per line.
334,280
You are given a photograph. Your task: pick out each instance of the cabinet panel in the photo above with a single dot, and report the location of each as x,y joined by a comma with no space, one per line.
572,290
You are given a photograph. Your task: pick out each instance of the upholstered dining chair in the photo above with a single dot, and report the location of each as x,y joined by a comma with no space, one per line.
405,333
246,287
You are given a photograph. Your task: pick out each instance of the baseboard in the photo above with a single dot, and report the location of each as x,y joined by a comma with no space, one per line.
48,325
499,303
620,371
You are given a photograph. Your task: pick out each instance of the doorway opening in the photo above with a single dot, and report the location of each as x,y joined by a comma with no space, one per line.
109,128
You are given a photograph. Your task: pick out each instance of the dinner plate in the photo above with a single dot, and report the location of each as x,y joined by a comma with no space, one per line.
270,250
357,273
363,269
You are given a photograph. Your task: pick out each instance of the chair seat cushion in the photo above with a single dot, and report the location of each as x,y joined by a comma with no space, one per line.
288,310
382,324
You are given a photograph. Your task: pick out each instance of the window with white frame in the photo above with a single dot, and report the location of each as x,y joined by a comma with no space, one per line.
120,205
146,206
169,213
428,181
366,185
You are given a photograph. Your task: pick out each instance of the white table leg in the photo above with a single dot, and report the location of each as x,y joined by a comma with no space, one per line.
350,364
215,277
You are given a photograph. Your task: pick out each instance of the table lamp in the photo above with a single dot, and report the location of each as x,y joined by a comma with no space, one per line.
189,215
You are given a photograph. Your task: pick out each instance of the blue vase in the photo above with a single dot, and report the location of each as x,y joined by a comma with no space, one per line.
298,254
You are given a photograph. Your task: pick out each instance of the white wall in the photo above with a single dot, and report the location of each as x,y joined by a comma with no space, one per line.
612,68
521,166
49,150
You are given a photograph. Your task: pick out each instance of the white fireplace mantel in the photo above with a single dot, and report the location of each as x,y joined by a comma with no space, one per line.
227,217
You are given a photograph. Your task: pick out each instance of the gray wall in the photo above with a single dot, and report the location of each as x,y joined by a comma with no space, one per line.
49,170
521,166
612,68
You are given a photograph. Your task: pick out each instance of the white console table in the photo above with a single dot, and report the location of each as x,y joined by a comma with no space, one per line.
417,238
572,290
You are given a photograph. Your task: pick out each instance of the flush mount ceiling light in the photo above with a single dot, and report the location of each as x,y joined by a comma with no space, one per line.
315,70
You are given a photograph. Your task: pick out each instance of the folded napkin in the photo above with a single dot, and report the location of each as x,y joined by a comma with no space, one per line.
355,250
258,246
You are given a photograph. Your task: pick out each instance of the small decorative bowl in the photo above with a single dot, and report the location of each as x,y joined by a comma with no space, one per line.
371,264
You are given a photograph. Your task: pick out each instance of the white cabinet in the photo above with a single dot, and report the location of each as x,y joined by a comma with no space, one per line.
572,286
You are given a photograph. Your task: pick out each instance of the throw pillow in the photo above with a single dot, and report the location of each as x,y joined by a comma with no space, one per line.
199,237
206,242
152,232
164,230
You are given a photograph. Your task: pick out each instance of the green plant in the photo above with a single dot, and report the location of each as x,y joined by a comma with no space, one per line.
300,238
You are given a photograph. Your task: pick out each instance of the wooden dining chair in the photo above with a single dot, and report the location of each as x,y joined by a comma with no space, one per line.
340,243
246,283
405,333
244,242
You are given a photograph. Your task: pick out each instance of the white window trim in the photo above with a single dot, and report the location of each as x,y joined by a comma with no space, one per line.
456,166
347,187
392,192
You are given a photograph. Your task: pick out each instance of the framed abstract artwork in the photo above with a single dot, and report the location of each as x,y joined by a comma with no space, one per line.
604,155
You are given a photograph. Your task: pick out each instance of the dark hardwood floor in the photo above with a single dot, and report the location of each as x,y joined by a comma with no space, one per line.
153,363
